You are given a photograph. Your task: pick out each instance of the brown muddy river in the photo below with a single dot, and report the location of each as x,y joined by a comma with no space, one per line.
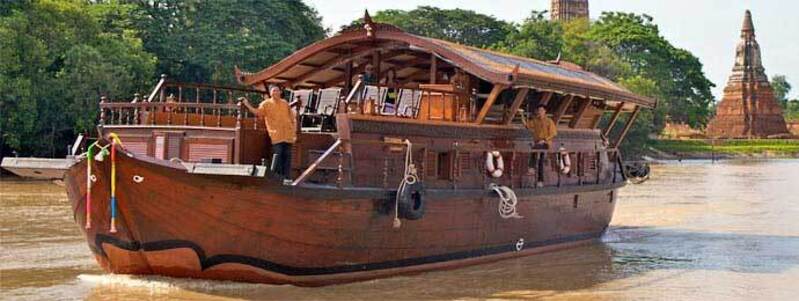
696,231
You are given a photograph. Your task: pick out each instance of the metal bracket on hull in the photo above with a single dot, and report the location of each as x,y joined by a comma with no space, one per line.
225,169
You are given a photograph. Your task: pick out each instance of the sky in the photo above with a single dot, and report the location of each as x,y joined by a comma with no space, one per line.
709,29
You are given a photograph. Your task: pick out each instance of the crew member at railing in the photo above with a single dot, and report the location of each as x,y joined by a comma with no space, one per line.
281,125
369,77
392,91
543,130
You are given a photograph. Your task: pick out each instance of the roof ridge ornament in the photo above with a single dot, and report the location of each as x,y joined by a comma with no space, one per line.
514,74
368,24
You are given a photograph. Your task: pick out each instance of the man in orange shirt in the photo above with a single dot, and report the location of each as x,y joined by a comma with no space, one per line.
543,130
281,125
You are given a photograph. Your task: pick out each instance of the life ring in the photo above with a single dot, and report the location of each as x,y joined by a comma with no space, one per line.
494,169
565,162
411,201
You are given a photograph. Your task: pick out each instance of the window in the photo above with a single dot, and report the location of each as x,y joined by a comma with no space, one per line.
444,166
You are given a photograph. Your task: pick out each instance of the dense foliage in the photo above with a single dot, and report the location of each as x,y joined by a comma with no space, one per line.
200,41
781,90
58,57
456,25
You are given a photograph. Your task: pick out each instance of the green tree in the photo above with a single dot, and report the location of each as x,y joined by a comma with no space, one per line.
457,25
792,110
536,38
56,59
684,89
781,89
201,41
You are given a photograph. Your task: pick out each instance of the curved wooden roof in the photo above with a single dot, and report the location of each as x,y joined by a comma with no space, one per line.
321,64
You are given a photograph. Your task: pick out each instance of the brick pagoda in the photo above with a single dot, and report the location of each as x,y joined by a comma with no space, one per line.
565,10
748,108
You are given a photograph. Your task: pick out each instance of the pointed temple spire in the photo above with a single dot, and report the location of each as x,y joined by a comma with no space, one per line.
748,108
748,28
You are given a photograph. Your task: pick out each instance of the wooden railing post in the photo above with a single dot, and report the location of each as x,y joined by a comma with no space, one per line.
103,100
237,146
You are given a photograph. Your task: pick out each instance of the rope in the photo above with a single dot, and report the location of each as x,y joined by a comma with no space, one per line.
507,201
409,178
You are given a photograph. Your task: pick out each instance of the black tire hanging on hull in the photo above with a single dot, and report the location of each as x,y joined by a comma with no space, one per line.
411,201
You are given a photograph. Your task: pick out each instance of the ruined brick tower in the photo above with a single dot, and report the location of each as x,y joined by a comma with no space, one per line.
565,10
748,108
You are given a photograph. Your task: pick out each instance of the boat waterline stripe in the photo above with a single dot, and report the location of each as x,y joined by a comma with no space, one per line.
208,262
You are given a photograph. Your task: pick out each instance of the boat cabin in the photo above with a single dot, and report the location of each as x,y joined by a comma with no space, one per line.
367,94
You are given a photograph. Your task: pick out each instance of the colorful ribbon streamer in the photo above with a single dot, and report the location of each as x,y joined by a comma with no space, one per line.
114,142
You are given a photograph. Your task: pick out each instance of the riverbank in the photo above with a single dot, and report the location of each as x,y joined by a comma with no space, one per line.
723,149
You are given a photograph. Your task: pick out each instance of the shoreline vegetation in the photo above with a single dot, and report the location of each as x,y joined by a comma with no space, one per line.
709,149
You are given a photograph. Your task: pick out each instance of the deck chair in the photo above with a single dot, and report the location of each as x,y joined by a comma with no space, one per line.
386,108
305,97
408,105
324,112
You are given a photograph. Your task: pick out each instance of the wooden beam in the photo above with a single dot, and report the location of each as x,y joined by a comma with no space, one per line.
337,61
564,105
433,68
613,119
498,88
596,121
627,126
410,77
545,98
521,95
361,65
584,103
309,65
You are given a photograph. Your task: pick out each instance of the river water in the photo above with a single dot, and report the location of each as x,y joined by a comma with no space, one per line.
696,231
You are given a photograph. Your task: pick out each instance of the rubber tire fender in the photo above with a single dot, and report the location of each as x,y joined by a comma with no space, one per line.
411,201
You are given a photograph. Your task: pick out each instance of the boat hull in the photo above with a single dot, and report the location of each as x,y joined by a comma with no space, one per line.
251,229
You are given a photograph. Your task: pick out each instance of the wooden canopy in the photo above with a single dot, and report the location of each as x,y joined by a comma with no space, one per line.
328,63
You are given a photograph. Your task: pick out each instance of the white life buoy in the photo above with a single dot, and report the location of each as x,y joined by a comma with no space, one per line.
565,162
495,170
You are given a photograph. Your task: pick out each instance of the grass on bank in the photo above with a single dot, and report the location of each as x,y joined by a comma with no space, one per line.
755,146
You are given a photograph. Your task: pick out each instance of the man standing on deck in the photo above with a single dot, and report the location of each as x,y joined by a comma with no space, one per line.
543,130
281,125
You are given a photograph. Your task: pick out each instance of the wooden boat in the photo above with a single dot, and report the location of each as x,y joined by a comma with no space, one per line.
195,196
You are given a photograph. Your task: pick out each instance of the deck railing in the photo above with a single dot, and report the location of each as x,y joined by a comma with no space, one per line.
176,103
589,166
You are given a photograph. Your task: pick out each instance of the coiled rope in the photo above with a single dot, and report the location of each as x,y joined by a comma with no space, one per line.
409,177
507,201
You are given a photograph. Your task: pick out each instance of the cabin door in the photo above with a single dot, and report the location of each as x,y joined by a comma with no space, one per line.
167,144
